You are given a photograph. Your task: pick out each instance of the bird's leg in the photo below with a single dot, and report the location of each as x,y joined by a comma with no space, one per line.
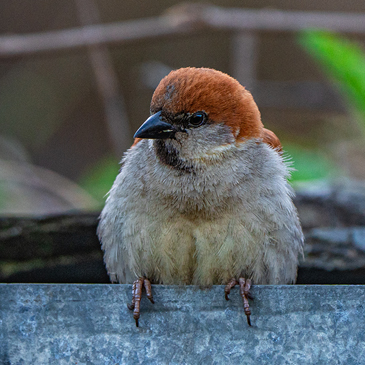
137,295
245,285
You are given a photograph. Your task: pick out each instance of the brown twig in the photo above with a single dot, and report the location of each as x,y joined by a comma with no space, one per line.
75,38
185,20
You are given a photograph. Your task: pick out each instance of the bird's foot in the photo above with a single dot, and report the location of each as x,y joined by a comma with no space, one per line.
245,285
138,285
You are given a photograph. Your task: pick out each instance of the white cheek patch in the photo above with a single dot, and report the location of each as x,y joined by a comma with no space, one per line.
218,152
223,148
237,132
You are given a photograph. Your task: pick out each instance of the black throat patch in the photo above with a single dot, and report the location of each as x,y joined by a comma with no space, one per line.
169,156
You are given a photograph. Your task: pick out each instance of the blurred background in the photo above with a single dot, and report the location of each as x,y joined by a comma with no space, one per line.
77,76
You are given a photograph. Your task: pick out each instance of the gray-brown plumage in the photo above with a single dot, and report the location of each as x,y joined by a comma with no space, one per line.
202,196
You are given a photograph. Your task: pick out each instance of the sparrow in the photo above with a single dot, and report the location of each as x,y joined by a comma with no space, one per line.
202,196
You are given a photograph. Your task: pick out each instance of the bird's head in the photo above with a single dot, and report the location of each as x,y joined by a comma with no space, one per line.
197,111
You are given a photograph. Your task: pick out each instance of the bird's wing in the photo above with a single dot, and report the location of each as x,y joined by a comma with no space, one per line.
271,139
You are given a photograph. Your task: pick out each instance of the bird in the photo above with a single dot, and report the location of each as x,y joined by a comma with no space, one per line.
202,196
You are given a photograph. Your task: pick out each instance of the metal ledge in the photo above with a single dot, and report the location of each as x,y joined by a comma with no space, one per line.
90,324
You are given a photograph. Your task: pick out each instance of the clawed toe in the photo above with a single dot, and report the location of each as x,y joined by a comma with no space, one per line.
231,284
245,285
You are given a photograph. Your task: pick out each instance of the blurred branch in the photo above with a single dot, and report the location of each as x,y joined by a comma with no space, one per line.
181,19
123,32
107,82
282,20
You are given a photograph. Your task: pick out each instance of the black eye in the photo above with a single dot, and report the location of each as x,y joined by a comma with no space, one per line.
197,119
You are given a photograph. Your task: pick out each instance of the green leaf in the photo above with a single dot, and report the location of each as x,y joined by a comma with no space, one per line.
342,61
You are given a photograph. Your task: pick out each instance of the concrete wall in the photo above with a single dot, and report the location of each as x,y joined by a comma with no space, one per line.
90,324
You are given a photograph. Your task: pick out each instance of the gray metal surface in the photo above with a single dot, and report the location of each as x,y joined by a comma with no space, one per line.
90,324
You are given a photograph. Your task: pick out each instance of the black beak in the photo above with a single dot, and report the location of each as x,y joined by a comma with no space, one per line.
155,128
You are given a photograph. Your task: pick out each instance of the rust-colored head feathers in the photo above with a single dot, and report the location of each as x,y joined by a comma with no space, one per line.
224,99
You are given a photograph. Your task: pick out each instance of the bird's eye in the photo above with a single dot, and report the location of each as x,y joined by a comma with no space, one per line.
197,119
